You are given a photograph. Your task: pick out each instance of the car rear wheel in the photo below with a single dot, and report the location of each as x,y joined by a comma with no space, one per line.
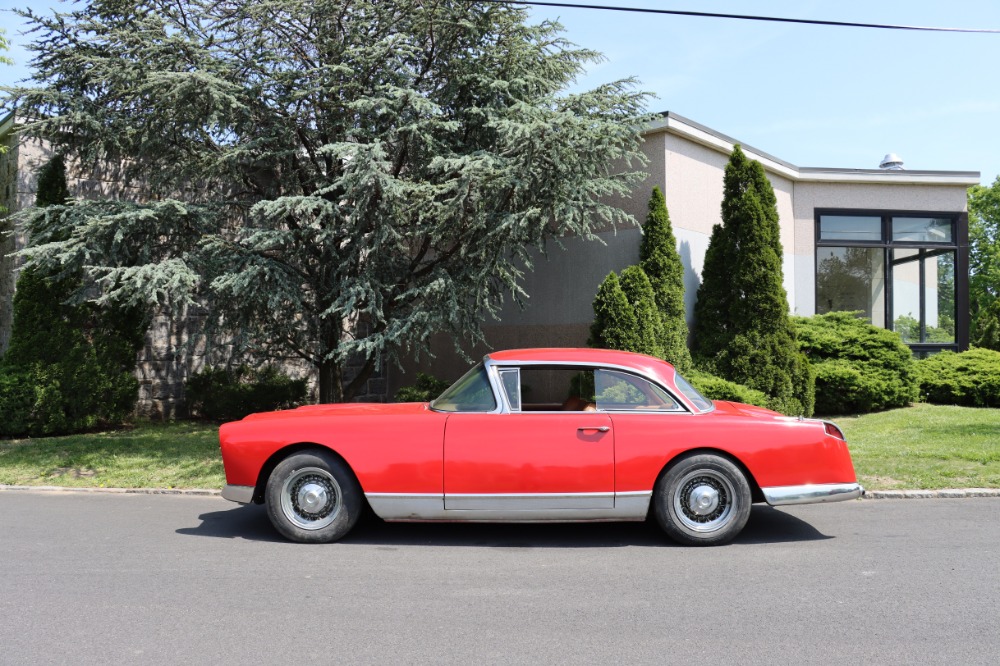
702,500
312,497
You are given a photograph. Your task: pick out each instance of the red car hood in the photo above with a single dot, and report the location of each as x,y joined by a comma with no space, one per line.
344,409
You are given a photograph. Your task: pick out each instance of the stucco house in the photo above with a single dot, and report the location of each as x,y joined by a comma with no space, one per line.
890,242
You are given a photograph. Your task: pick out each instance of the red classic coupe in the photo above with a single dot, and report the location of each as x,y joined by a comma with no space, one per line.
537,435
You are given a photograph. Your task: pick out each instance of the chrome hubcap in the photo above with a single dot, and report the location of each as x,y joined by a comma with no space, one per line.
703,501
311,498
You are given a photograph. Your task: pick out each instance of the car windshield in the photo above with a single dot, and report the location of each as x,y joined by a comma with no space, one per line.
702,403
471,393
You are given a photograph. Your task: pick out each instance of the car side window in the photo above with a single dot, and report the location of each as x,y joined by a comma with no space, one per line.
471,393
539,388
510,379
621,391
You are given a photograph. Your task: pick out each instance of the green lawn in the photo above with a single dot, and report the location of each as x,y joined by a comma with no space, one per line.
172,455
925,447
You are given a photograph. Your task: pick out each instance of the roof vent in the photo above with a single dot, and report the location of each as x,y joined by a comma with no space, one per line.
891,162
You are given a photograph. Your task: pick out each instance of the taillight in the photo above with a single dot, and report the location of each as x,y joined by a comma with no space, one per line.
834,431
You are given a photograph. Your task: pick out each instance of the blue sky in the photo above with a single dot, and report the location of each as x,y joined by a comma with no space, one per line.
811,95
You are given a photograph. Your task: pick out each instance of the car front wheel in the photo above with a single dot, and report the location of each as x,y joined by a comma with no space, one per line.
702,500
312,497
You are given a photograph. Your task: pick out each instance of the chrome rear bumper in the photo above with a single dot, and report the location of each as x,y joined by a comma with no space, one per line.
239,494
812,493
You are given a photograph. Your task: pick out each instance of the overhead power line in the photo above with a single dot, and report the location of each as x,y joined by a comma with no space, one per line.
741,17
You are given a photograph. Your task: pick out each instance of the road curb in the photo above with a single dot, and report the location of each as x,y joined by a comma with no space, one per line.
948,493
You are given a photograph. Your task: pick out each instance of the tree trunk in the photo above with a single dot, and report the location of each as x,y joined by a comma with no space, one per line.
364,374
331,386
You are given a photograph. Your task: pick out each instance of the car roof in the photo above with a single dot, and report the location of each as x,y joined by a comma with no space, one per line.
639,362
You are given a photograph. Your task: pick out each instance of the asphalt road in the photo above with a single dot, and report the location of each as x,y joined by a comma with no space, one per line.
174,579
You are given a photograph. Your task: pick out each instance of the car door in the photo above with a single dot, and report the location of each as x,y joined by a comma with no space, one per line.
541,452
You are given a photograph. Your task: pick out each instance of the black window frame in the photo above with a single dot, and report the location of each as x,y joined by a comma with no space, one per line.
959,244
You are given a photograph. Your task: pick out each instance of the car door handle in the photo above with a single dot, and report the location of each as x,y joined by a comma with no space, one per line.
597,428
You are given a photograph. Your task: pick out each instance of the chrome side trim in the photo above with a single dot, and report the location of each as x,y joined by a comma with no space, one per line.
812,493
412,507
239,494
528,501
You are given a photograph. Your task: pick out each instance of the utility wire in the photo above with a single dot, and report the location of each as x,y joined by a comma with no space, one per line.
742,17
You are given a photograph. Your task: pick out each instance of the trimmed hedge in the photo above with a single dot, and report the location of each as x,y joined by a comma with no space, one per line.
426,388
859,367
717,388
228,395
971,378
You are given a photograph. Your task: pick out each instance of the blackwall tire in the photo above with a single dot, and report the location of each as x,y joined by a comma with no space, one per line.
702,500
313,497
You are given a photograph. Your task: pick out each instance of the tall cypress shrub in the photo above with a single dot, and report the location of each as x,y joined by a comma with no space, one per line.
648,329
614,320
625,314
742,327
659,260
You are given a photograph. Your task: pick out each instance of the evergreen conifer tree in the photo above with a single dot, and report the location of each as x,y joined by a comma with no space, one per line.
615,323
662,265
742,327
337,181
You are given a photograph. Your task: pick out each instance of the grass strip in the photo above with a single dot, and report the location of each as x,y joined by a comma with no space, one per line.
182,454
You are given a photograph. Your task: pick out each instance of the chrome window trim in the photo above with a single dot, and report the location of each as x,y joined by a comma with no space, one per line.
493,367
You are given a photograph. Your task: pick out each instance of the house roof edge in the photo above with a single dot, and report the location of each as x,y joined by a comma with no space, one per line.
674,123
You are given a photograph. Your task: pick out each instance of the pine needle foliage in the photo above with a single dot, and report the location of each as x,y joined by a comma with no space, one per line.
660,261
742,328
336,179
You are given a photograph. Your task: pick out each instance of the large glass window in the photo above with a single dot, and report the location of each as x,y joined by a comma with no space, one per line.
851,279
922,229
923,295
899,271
850,227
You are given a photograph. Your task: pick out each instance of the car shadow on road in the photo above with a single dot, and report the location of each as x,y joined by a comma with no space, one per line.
766,525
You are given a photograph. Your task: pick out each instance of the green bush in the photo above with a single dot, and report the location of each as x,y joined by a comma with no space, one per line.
426,388
859,367
717,388
971,378
68,367
228,395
